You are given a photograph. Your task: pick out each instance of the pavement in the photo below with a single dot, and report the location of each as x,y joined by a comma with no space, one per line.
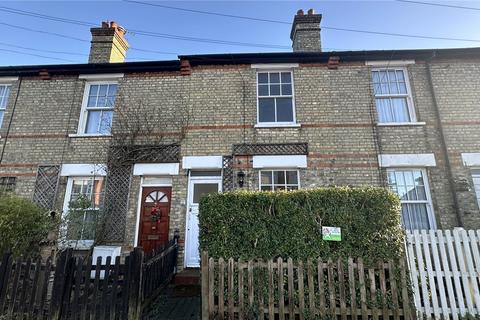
179,302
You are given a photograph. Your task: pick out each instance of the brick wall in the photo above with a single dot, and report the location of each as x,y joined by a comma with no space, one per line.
334,107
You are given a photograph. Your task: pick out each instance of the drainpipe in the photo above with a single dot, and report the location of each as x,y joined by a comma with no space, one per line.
451,182
11,118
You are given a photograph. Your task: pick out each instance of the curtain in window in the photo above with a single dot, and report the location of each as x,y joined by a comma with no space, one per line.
391,95
415,216
410,187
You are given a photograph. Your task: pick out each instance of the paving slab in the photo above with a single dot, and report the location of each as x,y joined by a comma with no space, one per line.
176,302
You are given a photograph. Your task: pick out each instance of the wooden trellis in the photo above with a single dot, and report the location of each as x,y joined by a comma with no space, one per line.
117,190
228,177
46,185
270,149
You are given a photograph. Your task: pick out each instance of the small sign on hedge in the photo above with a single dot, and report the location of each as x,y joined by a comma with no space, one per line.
331,234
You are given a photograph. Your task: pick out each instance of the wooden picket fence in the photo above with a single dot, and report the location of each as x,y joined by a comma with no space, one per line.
13,293
445,272
235,289
71,287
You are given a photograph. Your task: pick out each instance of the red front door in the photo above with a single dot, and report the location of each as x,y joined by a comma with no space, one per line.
154,217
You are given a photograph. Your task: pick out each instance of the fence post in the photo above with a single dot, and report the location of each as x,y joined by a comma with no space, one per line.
3,268
4,275
205,288
176,237
59,284
135,294
408,311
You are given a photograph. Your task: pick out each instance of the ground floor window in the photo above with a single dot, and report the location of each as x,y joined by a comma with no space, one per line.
271,180
83,199
476,184
411,185
7,184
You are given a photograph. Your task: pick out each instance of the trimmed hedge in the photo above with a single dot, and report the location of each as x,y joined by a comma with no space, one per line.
254,224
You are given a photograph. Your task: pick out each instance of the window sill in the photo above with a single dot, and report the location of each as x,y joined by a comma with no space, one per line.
277,125
400,124
88,135
77,244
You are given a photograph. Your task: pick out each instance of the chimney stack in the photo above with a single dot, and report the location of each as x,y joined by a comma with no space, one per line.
108,43
305,32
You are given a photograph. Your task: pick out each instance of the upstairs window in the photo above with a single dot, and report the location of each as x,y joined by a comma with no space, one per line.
97,108
392,95
412,187
4,93
271,180
275,98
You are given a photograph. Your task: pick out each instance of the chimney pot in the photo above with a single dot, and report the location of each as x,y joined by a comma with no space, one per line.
104,24
113,24
122,30
300,12
311,12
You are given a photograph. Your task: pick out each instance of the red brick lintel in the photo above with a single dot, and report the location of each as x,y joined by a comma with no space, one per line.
18,165
18,174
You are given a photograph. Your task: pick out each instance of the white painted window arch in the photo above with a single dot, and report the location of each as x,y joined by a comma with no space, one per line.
156,196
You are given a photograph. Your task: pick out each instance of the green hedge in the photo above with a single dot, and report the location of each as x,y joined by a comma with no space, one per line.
23,226
253,224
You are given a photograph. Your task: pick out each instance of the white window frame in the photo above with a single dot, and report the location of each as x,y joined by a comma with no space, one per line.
429,202
79,244
4,109
82,123
278,169
476,174
408,96
292,123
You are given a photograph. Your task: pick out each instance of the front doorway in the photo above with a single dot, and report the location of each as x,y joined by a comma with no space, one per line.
154,217
198,186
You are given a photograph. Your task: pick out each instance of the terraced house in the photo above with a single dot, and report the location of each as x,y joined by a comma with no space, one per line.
144,140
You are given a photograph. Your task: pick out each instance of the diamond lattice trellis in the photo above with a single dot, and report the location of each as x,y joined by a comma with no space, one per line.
117,189
269,149
228,178
46,185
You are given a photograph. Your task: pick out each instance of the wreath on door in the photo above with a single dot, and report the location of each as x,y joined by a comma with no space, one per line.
156,215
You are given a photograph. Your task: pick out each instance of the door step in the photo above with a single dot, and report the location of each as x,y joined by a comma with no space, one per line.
188,277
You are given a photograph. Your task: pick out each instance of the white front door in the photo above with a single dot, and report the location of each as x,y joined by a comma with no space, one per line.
198,186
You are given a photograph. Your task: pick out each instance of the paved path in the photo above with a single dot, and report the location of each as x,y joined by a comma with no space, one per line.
176,302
